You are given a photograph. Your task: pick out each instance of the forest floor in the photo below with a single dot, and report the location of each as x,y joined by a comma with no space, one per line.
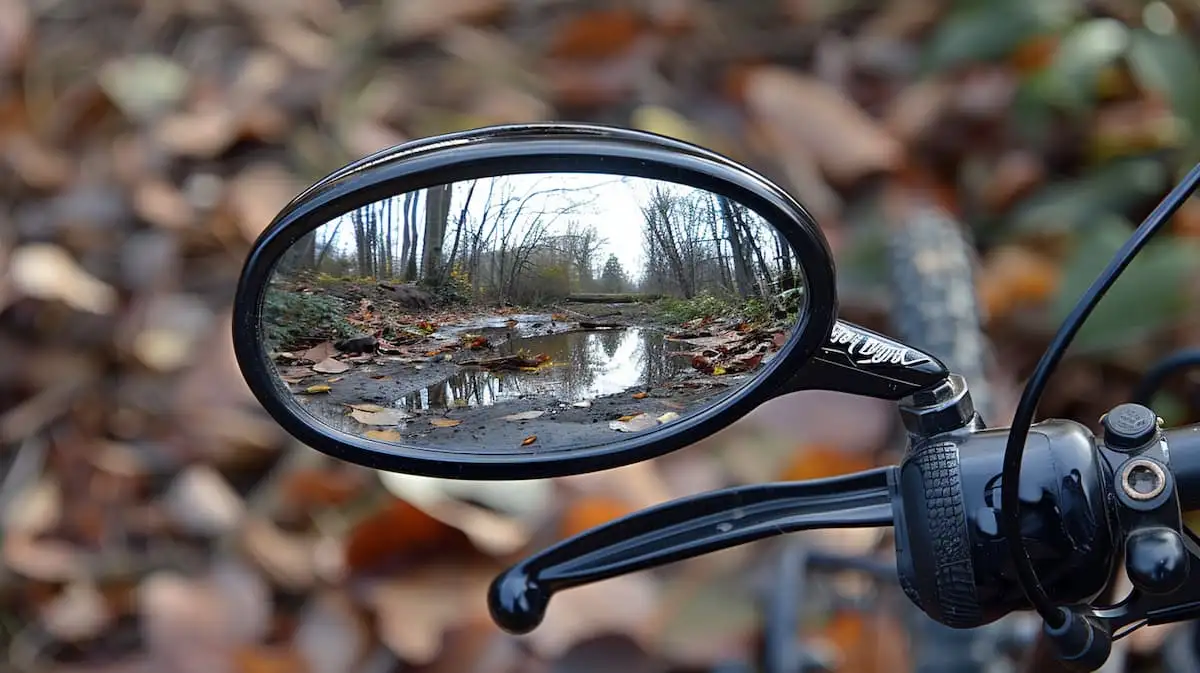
500,378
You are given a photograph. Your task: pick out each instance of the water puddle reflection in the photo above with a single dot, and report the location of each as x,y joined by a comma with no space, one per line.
583,365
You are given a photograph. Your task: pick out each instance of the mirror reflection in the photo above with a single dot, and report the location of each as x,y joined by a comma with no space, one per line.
524,313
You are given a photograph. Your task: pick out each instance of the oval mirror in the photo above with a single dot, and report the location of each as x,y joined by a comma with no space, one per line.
554,317
536,310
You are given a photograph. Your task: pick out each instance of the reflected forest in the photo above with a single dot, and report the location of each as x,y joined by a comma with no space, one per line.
533,239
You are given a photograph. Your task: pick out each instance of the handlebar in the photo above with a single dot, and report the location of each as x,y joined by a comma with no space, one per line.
1083,499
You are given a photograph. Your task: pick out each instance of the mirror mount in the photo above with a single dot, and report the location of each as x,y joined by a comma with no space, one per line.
859,361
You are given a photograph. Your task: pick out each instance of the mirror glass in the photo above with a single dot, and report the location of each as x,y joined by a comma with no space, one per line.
534,312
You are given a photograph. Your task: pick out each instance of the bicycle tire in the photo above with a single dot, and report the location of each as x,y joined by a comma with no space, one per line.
934,307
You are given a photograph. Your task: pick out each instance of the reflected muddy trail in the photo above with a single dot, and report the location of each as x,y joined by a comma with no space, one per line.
583,365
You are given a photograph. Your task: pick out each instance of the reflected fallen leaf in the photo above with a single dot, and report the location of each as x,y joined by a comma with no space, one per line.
318,388
640,396
384,435
718,370
529,440
444,422
668,417
523,416
633,423
331,366
320,352
366,407
381,417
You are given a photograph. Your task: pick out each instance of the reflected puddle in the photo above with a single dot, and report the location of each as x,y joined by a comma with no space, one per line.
584,365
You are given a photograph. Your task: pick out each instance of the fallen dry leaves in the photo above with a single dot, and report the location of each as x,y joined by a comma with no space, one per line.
150,501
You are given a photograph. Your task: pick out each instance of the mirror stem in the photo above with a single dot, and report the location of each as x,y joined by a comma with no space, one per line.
859,361
686,528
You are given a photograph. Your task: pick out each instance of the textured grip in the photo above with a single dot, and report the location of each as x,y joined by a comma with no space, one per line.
936,569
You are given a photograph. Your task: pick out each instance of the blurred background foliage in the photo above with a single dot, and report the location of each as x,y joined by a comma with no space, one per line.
155,520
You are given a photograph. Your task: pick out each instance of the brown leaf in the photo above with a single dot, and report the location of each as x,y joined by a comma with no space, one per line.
444,595
529,440
311,488
160,203
46,271
408,21
444,422
16,23
46,560
331,366
288,559
266,659
38,165
802,113
640,396
201,502
202,621
626,604
78,613
396,533
1014,276
258,193
203,133
331,637
597,34
1015,175
589,512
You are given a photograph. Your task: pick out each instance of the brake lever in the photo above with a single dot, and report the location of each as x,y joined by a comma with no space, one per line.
686,528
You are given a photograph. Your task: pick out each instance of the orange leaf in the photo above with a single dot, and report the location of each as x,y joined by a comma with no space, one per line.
397,533
640,396
597,35
817,461
267,659
589,512
321,488
1014,276
1035,55
444,422
529,440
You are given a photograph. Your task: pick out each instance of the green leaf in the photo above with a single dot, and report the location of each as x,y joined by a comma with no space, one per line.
1084,51
1114,187
1169,64
990,30
1147,297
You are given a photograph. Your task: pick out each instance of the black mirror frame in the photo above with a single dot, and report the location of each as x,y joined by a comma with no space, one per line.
513,149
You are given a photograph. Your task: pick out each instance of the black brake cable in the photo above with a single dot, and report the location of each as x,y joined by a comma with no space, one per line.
1010,515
